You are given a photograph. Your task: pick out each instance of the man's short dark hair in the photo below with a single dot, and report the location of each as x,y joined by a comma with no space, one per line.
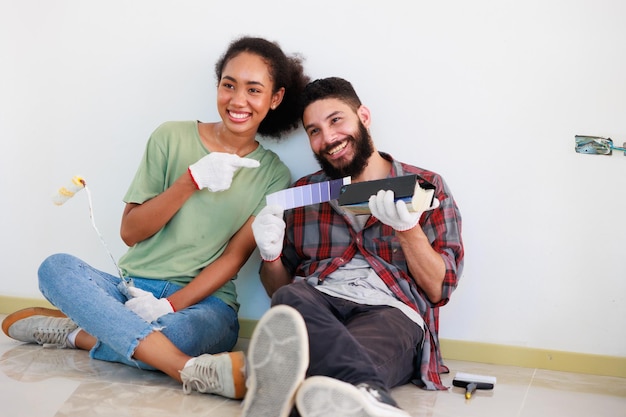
331,87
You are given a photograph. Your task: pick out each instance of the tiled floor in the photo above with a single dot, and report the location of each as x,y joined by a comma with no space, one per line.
43,382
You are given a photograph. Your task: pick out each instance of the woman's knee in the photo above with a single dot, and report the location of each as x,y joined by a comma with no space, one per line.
61,272
48,270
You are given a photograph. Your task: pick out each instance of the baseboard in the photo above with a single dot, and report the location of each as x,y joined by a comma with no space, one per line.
526,357
453,349
10,304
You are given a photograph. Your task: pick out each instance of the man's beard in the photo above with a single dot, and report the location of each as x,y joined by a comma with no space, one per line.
363,149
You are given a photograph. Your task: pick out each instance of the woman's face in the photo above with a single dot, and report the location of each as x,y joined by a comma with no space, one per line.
244,93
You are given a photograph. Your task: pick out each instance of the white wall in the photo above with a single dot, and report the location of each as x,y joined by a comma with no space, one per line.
488,93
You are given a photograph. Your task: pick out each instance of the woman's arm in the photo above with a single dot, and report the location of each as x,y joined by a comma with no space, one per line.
215,275
140,221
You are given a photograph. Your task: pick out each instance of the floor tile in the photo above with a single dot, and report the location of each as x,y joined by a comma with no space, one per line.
50,382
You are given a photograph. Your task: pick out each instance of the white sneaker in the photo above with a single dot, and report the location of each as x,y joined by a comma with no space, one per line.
44,326
321,396
278,357
222,374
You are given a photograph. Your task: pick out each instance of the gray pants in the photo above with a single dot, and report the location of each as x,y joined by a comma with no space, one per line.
355,342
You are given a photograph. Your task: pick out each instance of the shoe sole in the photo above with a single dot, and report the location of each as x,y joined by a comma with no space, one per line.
278,357
321,396
28,312
238,361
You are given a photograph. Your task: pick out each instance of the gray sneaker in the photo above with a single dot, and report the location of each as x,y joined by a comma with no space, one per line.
321,396
44,326
222,374
278,357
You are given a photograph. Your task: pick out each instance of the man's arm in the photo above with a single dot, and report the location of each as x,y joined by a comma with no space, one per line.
425,265
273,276
269,232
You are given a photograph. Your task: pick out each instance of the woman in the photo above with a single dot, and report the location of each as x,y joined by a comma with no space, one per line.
187,221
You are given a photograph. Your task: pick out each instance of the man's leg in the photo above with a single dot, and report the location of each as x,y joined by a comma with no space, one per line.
391,339
342,337
333,350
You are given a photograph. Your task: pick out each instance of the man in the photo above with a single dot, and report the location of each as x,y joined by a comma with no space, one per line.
367,287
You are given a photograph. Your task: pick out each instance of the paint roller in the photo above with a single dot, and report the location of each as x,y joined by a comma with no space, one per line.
472,382
65,193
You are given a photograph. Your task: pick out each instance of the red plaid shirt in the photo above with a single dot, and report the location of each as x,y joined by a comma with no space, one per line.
319,239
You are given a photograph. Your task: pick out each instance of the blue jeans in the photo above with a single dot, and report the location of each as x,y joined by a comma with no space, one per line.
92,300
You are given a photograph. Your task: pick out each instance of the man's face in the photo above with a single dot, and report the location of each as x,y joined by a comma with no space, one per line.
338,137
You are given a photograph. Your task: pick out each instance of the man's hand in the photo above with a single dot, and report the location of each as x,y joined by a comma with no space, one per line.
146,305
269,231
215,171
395,213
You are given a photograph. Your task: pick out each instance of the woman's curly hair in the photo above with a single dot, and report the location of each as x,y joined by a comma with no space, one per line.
285,71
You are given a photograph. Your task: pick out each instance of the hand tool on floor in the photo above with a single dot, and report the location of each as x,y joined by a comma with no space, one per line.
472,382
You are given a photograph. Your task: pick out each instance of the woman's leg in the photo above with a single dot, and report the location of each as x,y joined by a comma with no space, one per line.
92,300
210,326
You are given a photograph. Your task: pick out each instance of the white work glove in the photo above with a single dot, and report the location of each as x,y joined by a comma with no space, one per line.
146,305
268,228
395,213
215,171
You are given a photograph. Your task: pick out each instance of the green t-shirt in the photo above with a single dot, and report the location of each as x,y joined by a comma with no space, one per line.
198,234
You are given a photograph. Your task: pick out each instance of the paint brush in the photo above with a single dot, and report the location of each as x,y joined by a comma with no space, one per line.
472,382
